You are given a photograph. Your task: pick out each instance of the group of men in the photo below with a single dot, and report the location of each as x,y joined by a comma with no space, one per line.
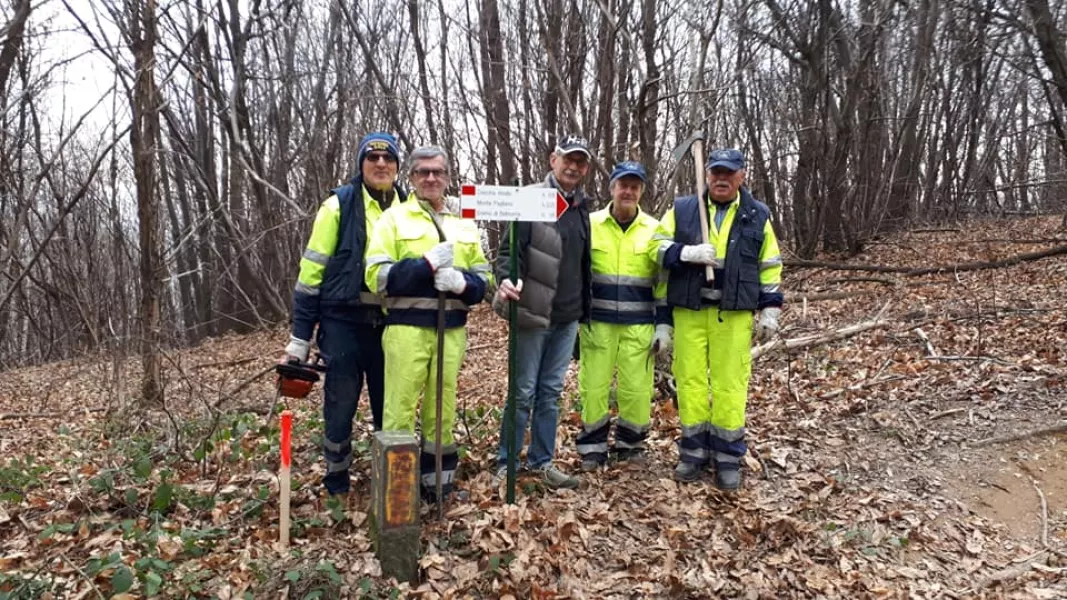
619,280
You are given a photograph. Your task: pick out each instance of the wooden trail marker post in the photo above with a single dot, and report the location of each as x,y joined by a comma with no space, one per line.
394,516
513,204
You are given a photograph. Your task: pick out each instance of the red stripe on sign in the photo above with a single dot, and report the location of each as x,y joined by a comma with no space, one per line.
467,213
467,190
287,436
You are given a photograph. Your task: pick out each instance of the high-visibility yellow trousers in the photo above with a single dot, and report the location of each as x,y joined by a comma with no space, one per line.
411,371
711,367
607,349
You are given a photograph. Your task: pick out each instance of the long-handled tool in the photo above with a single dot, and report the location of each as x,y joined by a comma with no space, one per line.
695,145
440,402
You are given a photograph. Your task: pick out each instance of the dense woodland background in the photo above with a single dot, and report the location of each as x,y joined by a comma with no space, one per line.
174,206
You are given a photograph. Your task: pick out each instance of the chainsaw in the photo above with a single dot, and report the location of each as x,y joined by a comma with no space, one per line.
296,378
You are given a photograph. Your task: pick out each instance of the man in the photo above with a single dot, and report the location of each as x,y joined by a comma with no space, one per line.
409,263
627,299
715,320
553,292
329,293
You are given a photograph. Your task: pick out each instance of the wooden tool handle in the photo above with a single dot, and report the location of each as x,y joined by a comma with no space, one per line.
702,207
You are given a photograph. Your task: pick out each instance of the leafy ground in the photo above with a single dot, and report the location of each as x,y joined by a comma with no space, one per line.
867,476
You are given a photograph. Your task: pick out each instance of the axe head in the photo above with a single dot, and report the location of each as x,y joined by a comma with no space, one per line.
682,149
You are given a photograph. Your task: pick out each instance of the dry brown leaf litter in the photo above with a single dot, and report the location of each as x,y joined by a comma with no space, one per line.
863,480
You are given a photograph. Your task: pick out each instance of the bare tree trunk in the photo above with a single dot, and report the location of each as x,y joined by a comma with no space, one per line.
144,139
12,33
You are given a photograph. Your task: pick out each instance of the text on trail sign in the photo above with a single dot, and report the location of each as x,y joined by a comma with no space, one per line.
509,203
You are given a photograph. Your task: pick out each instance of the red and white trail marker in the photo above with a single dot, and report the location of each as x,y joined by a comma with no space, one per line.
284,478
510,203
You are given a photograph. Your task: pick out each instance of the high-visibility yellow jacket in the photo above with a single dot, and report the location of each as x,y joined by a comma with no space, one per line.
627,288
397,271
331,270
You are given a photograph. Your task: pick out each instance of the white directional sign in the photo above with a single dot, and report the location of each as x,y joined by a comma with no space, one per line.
509,203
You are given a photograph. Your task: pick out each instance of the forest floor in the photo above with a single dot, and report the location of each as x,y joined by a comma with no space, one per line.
875,468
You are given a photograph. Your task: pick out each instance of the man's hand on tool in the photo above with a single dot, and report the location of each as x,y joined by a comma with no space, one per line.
661,340
509,291
703,254
298,348
767,324
440,256
447,279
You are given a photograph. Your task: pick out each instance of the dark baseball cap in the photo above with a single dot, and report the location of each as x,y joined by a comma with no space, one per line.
629,168
573,143
727,158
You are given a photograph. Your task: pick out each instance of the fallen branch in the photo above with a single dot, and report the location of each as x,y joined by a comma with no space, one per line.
48,415
926,340
1012,572
1044,514
1058,428
969,358
860,386
816,340
815,297
947,413
913,271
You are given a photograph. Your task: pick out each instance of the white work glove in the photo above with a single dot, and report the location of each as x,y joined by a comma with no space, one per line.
661,341
298,348
509,291
767,324
447,279
703,254
440,256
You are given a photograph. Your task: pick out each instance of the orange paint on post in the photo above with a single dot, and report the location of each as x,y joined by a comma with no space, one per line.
287,434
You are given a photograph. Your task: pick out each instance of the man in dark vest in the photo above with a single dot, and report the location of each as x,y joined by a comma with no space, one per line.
714,321
330,292
554,293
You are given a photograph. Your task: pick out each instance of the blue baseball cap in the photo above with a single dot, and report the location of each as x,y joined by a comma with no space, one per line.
727,158
629,168
378,140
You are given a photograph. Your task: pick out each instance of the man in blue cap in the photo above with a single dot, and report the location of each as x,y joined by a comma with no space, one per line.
715,321
629,323
330,292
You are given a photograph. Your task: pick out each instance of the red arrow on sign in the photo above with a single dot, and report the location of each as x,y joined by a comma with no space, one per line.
561,205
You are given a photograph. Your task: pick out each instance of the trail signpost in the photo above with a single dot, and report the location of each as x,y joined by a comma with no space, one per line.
514,204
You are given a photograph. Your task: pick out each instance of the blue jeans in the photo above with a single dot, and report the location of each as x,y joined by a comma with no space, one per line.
353,352
540,364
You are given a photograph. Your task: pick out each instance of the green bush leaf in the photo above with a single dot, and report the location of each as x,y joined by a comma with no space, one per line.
163,497
122,580
152,583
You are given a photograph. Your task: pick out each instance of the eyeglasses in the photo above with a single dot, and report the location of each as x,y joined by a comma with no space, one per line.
426,173
575,158
380,157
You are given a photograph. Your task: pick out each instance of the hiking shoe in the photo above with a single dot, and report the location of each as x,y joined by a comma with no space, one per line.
687,471
590,464
728,480
556,479
500,475
637,456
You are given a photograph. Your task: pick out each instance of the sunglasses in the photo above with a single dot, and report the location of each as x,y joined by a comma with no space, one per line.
425,173
380,157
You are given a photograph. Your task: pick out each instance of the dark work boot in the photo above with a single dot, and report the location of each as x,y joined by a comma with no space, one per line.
687,471
728,480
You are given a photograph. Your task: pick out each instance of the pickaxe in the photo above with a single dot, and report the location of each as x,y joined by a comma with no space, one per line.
695,144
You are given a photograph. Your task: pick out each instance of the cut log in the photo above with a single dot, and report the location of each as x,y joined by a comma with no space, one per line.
914,271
